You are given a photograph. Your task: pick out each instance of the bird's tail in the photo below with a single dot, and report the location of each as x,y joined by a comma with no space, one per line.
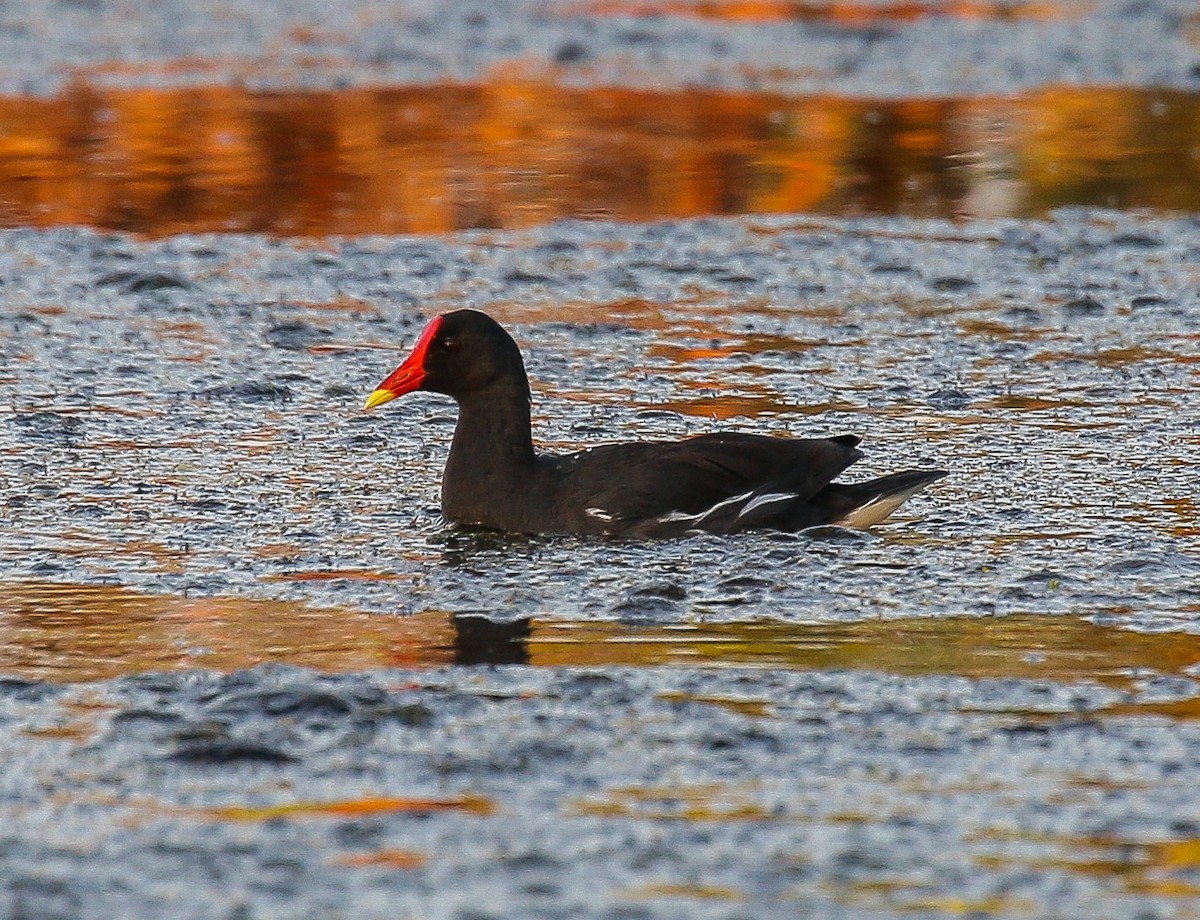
865,504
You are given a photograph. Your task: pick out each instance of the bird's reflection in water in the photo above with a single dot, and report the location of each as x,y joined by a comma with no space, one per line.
68,633
479,640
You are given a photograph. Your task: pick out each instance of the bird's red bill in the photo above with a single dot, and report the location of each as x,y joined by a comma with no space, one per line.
408,376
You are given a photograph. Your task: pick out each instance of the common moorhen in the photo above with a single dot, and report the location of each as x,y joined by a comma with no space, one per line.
719,483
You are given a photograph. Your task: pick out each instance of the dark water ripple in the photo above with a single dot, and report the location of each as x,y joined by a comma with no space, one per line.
371,783
946,716
237,453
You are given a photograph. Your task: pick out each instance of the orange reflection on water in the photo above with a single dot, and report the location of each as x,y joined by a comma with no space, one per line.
68,633
391,858
519,152
708,802
1159,868
1056,648
355,808
842,12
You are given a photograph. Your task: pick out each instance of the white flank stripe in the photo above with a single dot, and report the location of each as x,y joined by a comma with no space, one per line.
681,516
676,516
769,499
599,513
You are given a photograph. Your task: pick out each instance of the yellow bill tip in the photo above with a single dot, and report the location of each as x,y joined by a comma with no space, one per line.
378,398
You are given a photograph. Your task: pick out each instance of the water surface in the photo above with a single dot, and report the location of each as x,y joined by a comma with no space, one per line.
239,643
71,633
517,152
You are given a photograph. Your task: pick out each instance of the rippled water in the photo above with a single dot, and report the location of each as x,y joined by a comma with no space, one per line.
986,706
208,437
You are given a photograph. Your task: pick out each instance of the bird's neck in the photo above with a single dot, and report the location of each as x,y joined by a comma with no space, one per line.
492,449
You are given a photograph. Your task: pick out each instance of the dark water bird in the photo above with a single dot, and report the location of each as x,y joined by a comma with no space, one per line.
719,483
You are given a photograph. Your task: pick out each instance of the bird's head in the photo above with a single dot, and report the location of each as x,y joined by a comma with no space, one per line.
458,354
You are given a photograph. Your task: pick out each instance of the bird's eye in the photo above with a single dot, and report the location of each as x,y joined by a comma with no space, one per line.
448,344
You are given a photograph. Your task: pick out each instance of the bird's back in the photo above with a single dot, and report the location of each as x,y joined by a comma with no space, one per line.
720,483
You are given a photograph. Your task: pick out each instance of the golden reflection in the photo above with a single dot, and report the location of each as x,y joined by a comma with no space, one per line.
1118,357
908,897
744,345
1140,867
746,707
630,312
515,152
727,407
709,802
79,730
391,858
1031,403
845,13
355,808
685,354
676,891
72,633
1056,648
